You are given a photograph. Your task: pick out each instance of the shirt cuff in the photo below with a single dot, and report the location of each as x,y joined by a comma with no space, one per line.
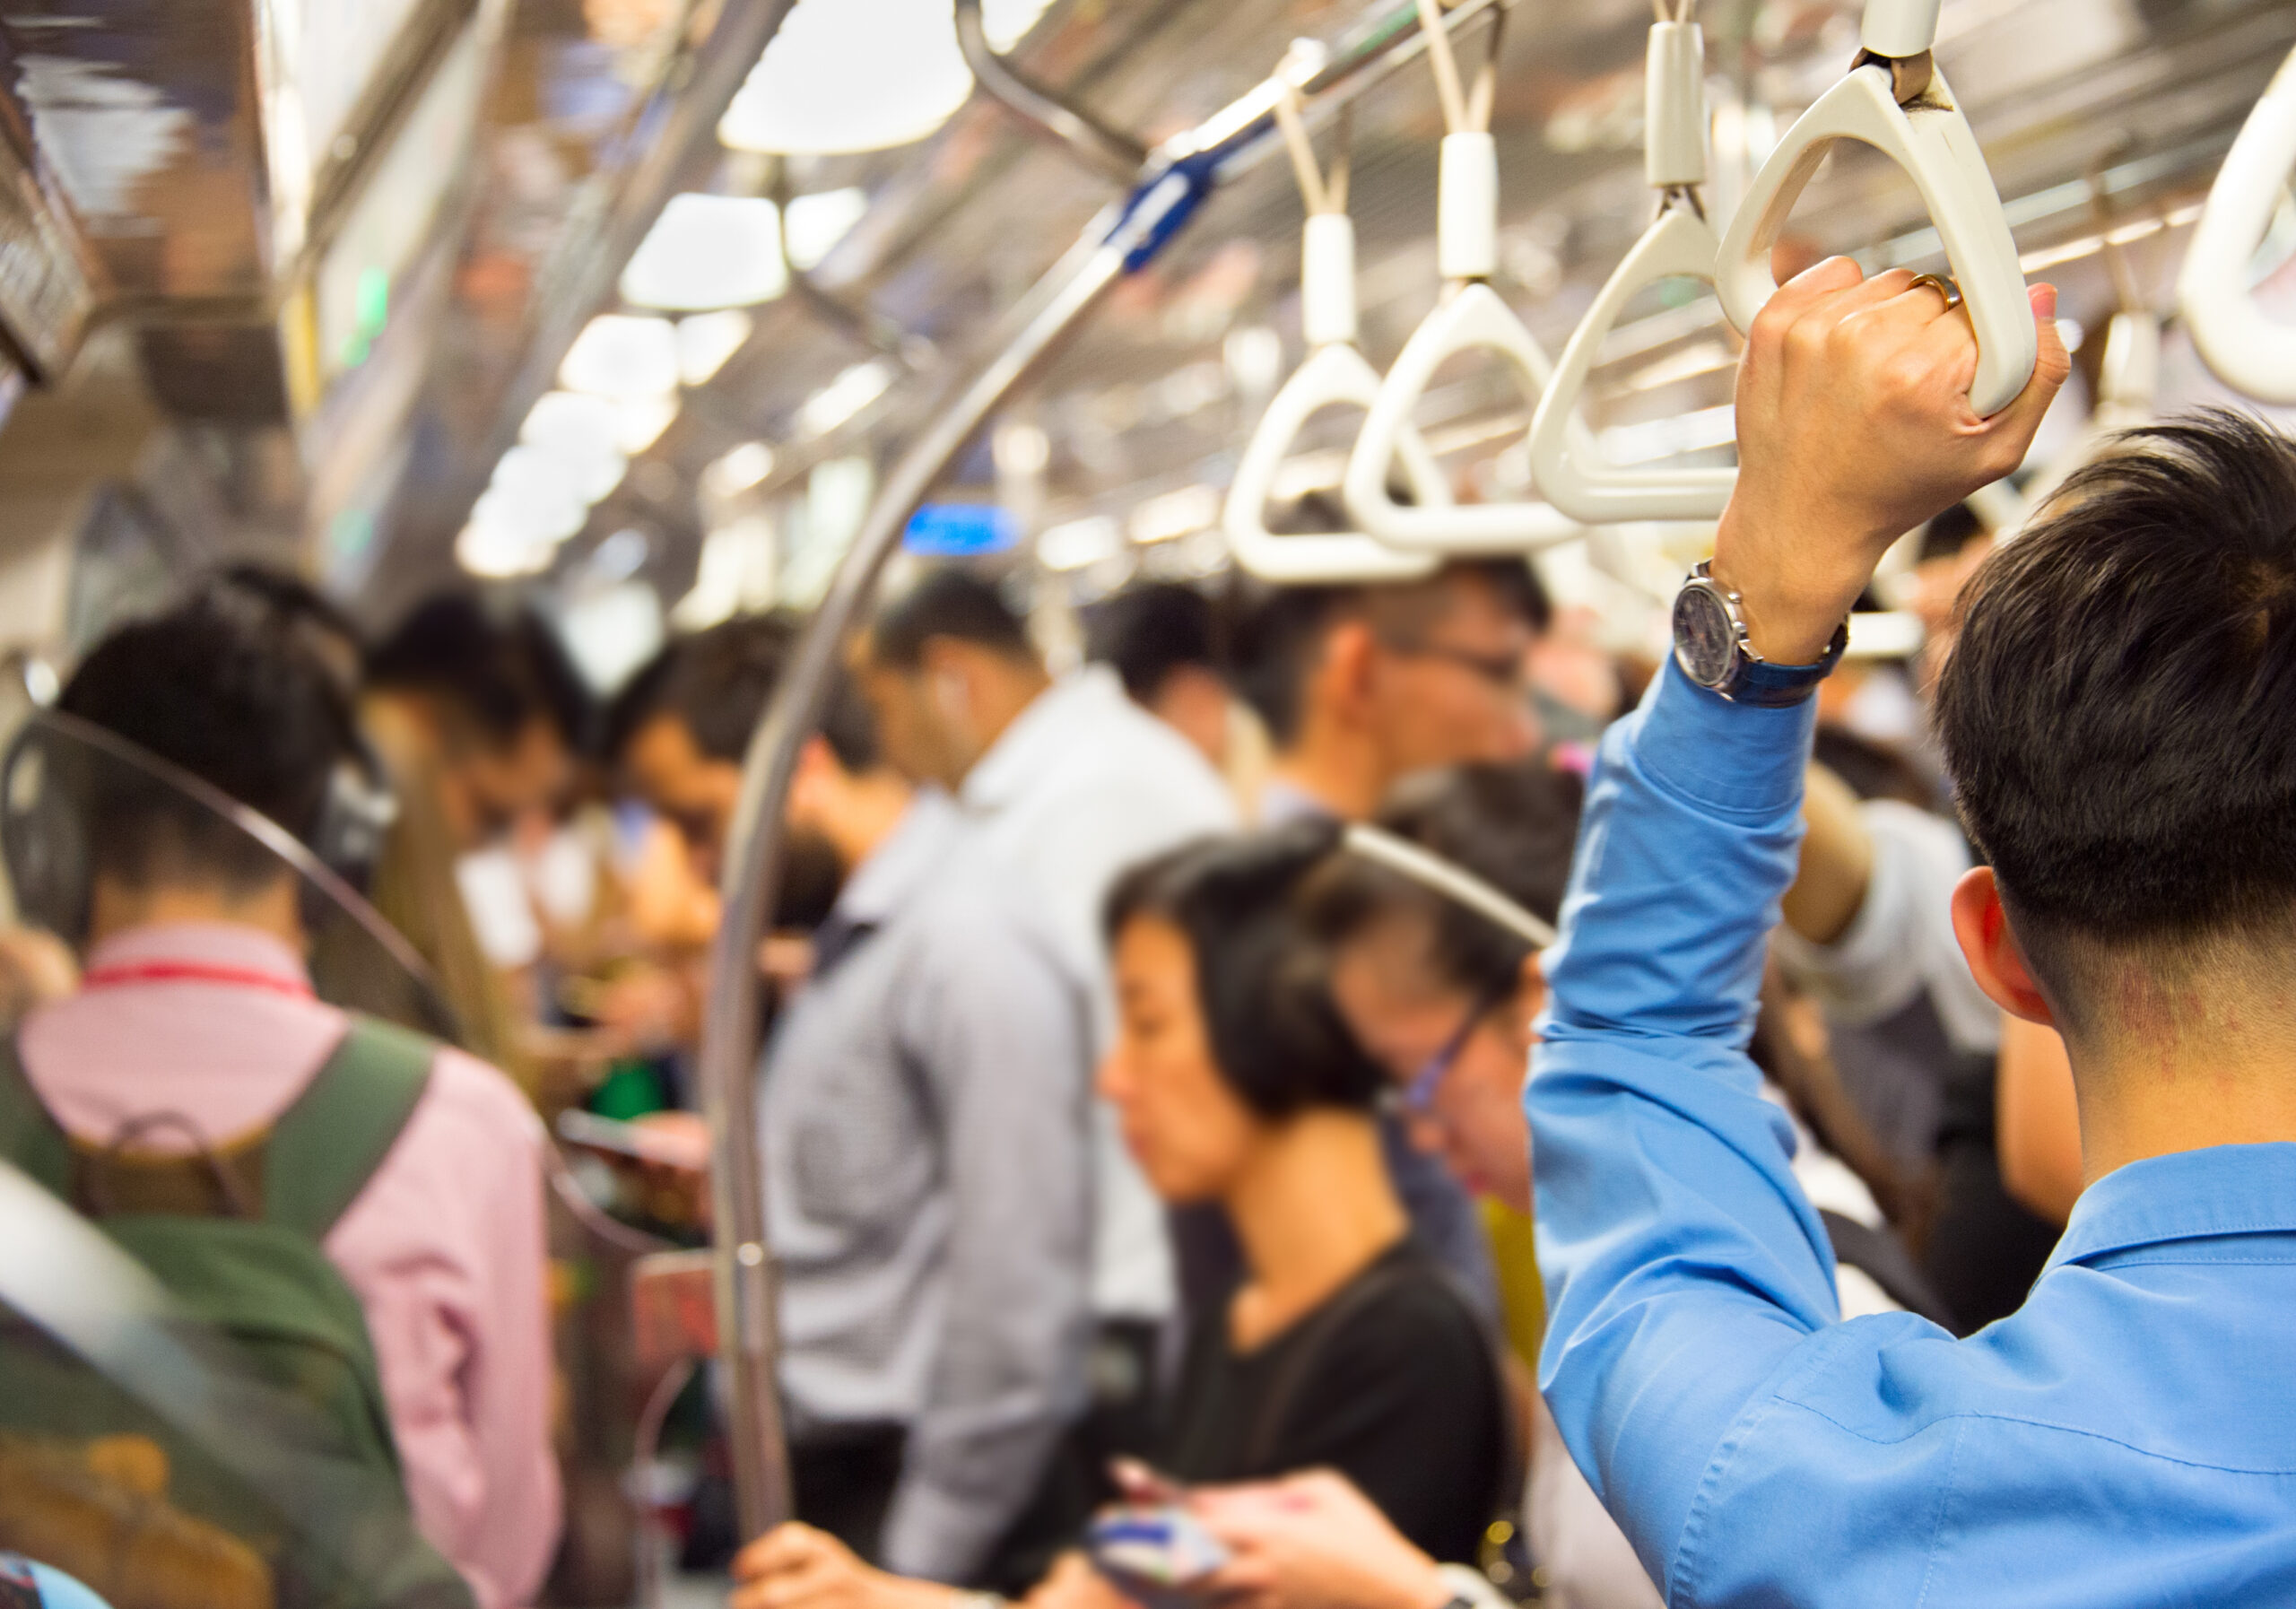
1738,760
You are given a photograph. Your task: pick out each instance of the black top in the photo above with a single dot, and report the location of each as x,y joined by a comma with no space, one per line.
1393,1381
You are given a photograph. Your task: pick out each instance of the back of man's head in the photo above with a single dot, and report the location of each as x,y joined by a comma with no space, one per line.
716,684
1146,633
2120,718
954,604
220,687
1279,642
497,670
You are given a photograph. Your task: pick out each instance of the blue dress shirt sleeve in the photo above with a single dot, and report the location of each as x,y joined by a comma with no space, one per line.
1683,1264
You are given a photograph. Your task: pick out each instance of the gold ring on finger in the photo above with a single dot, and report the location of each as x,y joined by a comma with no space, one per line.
1945,287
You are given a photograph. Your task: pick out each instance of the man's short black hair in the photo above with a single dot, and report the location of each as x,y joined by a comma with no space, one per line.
2120,711
1512,825
219,686
948,602
1280,637
503,669
718,682
1278,1041
1147,632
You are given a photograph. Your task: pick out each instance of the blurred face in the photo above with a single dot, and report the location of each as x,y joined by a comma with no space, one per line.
917,720
693,791
486,787
1458,1063
1185,1127
1457,690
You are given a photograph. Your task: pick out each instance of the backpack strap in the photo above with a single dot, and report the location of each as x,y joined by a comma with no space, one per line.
29,1135
326,1146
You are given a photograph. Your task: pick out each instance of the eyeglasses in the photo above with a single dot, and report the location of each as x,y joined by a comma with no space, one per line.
1504,671
1416,1097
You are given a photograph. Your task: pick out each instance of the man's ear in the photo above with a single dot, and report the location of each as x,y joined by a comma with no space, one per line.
1345,669
1981,925
812,786
1530,998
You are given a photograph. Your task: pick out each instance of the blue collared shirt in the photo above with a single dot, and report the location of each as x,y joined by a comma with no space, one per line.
2127,1438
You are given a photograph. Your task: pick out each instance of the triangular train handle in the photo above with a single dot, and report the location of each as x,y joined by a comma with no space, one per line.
2250,353
1333,376
1473,317
1932,142
1679,244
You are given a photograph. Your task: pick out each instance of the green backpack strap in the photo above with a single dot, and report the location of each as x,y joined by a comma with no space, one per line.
326,1146
29,1135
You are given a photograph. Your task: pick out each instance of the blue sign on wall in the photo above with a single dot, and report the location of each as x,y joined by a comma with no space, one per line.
960,530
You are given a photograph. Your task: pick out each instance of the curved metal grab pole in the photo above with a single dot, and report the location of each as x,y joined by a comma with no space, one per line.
1178,176
1107,152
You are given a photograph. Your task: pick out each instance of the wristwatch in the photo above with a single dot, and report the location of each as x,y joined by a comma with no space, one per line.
1710,646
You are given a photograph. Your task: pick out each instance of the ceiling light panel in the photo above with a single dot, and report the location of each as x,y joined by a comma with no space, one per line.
844,397
707,340
706,252
848,75
815,223
623,356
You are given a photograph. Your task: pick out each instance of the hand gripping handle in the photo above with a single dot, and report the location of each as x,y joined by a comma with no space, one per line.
1472,317
2250,353
1333,376
1563,463
1932,142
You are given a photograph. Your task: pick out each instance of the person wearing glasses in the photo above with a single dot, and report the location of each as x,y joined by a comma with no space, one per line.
1359,686
1432,922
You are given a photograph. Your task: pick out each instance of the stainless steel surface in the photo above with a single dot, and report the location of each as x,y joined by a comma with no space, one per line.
1169,190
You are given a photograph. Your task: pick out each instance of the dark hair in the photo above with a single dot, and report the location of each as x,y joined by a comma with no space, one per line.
302,609
1279,639
1277,1038
1514,826
717,684
1148,632
221,687
951,602
501,671
1873,770
2120,711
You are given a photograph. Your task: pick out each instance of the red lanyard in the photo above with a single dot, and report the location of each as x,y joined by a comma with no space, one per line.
193,971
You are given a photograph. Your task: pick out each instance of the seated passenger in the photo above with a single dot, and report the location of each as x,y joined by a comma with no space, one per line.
196,1008
2115,718
1345,1346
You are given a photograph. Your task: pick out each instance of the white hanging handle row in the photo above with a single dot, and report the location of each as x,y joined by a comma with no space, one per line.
1471,317
1334,375
1930,139
2249,351
1679,244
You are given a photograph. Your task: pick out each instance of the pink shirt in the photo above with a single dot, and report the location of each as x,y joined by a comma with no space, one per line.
444,1248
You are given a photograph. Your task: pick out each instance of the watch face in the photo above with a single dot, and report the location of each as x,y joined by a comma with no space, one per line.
1705,642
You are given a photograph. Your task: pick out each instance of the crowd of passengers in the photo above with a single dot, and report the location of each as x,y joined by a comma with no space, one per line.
1142,1096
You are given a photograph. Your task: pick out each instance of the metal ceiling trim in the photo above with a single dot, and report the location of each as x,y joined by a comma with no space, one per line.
582,271
46,297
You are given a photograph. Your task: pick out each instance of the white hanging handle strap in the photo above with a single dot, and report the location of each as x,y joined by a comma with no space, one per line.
1465,110
1932,141
1679,244
1323,195
2250,353
1333,376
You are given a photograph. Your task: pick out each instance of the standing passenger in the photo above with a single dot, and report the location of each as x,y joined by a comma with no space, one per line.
197,1007
1071,783
925,1129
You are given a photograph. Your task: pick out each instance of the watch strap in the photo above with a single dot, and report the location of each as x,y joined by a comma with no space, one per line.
1753,680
